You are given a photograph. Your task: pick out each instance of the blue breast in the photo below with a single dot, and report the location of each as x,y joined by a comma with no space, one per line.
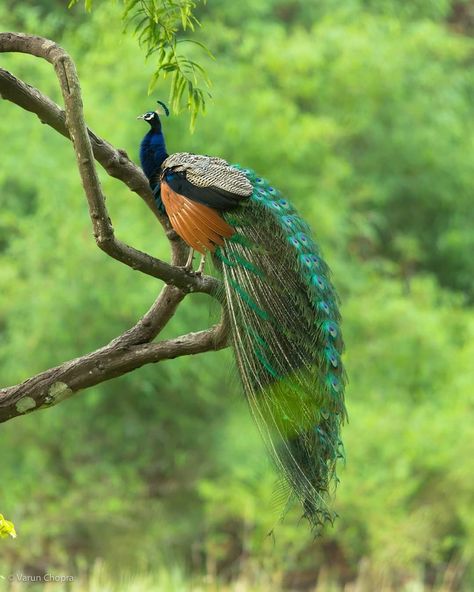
152,154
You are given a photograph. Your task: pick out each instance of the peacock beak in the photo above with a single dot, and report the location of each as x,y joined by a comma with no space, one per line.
141,116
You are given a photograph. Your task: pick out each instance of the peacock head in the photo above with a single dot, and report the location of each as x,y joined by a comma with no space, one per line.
153,117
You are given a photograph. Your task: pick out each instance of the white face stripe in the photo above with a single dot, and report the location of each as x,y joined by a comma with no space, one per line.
149,116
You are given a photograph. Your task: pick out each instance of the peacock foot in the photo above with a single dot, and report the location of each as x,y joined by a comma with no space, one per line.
188,266
202,264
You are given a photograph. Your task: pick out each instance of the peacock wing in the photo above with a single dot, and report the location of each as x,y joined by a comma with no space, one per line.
198,225
207,180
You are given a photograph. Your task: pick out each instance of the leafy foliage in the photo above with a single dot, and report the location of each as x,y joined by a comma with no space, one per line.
159,26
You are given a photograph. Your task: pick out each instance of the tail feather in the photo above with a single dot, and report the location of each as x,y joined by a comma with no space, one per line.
284,315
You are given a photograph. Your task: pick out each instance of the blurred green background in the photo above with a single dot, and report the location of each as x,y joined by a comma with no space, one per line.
361,111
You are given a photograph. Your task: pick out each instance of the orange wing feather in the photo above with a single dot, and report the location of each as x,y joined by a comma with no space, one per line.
201,227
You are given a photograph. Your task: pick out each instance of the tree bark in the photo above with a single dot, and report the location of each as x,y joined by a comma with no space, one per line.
135,347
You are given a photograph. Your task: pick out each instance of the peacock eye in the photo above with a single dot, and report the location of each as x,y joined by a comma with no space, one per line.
306,260
330,328
333,360
324,306
318,281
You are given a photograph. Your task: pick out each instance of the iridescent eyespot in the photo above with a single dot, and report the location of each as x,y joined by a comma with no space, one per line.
322,305
271,190
284,204
330,328
306,260
318,281
332,357
294,240
303,238
333,382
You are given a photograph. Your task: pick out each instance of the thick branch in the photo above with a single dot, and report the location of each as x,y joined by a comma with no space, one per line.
56,384
154,320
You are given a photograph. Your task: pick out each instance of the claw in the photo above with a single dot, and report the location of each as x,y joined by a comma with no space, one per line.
202,263
188,267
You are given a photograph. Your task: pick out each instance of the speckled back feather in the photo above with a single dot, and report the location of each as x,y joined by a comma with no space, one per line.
205,171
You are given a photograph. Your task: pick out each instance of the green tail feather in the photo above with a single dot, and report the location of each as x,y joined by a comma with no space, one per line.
287,341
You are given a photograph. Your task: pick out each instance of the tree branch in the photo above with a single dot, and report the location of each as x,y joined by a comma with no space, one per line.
133,348
115,359
115,162
88,145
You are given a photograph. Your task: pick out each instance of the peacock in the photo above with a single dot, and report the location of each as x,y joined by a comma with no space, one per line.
280,303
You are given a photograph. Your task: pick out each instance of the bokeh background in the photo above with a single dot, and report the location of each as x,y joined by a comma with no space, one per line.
360,111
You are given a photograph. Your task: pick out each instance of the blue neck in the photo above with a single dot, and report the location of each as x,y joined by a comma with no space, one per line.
152,154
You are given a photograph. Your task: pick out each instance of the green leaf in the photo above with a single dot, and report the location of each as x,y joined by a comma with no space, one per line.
157,24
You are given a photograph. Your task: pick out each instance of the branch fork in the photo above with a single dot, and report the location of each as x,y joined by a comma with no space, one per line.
136,346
